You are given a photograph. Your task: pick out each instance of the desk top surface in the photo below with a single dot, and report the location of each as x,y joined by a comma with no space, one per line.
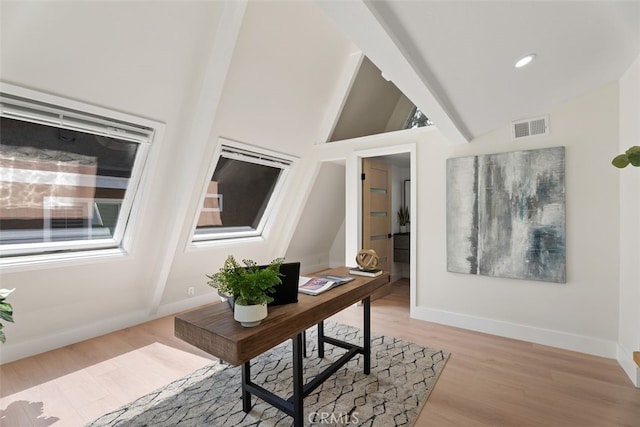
213,329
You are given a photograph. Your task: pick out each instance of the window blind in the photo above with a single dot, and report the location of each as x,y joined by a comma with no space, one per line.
15,107
254,157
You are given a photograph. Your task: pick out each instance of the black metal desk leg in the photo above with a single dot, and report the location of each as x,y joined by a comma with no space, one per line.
366,306
246,378
304,343
298,398
321,339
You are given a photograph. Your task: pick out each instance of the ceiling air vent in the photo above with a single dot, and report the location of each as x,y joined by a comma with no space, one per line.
530,127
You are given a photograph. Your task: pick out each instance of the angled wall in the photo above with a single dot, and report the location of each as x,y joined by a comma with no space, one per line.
257,73
286,62
144,59
321,222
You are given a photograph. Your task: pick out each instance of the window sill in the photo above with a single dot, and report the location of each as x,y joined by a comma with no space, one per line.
45,261
209,244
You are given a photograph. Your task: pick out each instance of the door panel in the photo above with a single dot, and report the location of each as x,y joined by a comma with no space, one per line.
378,202
378,182
379,226
379,246
376,210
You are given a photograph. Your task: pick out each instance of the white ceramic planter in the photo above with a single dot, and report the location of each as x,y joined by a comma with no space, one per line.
249,315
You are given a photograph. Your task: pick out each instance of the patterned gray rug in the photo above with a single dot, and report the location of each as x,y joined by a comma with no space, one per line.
402,376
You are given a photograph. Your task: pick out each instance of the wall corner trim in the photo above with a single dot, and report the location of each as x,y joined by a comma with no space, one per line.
626,360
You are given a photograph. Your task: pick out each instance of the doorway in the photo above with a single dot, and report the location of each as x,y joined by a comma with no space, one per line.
401,159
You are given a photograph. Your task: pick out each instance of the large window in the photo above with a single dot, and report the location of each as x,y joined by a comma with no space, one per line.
67,178
241,194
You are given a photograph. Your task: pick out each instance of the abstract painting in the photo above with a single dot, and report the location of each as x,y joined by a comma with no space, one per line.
506,215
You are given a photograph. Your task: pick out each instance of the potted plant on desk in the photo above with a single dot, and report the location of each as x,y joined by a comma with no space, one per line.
249,286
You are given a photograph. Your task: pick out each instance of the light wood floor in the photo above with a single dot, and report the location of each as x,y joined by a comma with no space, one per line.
488,380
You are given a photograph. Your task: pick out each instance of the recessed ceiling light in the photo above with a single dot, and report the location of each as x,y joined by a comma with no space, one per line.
525,60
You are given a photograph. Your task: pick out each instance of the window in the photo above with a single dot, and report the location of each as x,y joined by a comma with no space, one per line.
241,194
417,119
67,177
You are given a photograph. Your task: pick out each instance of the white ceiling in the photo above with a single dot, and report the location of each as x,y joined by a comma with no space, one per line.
463,53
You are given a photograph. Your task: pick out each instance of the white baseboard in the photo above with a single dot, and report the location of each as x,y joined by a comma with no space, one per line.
625,359
10,351
584,344
558,339
15,351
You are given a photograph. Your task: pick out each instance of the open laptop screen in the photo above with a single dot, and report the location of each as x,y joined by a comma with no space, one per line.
287,291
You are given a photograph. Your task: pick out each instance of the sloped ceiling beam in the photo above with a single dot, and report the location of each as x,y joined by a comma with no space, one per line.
209,97
364,26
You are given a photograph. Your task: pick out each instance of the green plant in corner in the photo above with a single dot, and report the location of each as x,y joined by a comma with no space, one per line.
631,156
6,311
403,215
248,284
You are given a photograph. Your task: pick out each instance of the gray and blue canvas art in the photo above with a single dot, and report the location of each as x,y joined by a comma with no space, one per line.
506,215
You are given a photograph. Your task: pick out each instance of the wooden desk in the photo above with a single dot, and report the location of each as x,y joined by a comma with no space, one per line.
213,329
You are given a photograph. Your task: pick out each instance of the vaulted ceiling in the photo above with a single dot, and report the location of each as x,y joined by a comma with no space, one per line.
455,59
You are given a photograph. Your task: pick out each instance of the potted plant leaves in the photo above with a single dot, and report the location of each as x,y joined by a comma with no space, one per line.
631,156
6,311
249,285
403,218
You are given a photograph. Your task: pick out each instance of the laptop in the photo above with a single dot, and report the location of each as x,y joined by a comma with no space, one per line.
287,291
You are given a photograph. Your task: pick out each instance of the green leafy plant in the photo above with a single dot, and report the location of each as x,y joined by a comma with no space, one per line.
631,156
403,215
248,284
6,311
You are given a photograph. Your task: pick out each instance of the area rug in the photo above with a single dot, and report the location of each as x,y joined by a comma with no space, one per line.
402,376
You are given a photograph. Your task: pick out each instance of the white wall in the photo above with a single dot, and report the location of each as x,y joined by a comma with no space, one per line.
579,315
168,61
275,95
154,66
321,223
629,327
139,58
337,255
